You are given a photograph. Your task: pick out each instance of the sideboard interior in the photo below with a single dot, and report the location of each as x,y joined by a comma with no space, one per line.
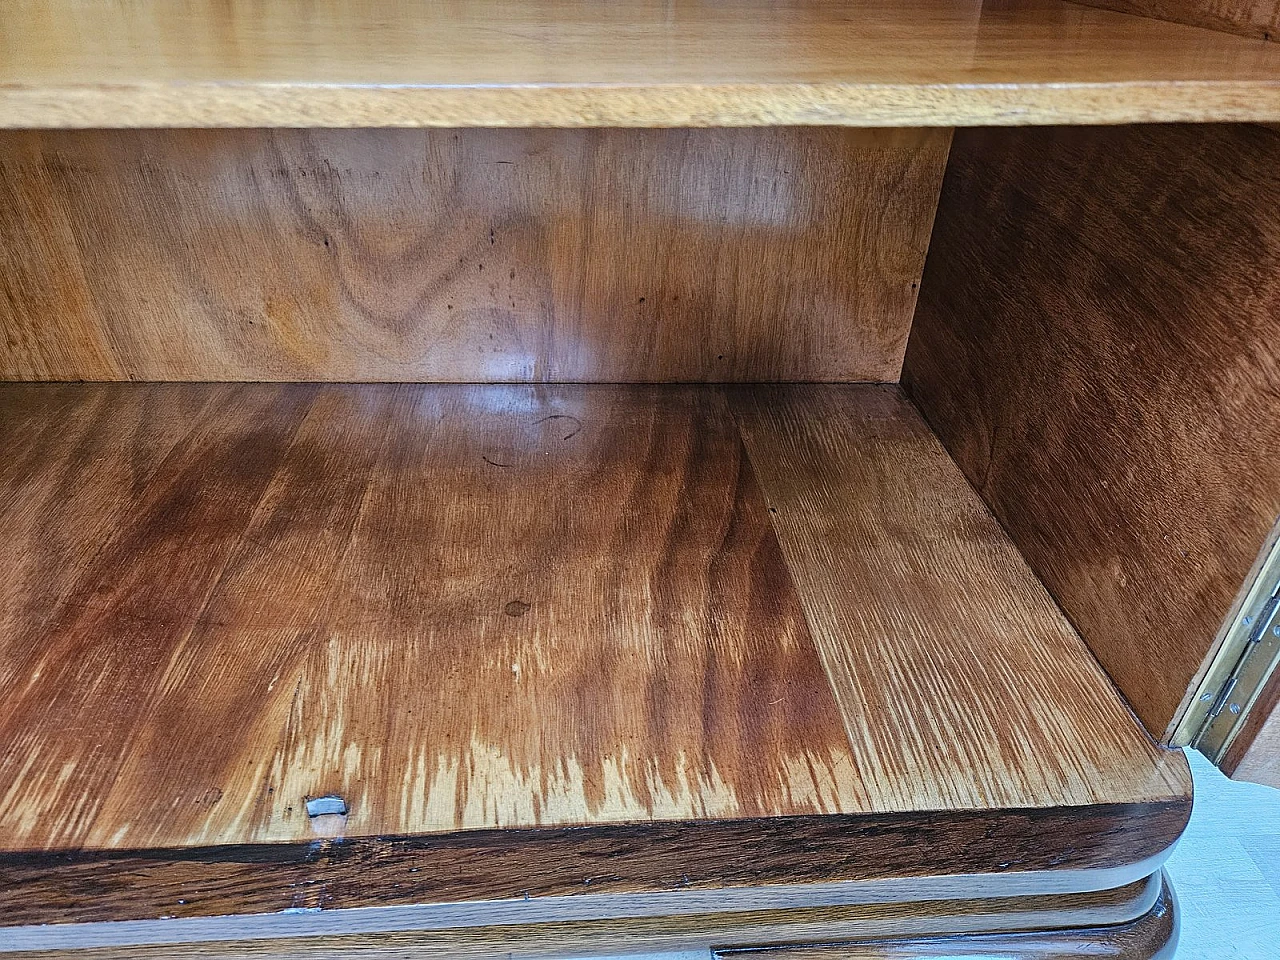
558,451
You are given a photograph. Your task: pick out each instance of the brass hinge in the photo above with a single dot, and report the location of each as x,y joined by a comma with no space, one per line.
1248,654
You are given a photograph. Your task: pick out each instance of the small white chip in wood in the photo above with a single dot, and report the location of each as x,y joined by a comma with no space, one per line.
320,806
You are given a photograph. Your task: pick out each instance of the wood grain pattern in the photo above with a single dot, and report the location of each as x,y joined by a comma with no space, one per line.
636,936
520,608
154,507
692,864
1153,936
407,540
950,675
564,63
471,255
1095,344
1251,18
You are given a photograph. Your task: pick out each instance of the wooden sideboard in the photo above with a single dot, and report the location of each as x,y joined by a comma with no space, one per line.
772,480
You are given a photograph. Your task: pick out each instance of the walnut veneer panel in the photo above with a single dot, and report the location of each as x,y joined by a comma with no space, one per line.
514,611
471,255
1253,18
1096,346
365,63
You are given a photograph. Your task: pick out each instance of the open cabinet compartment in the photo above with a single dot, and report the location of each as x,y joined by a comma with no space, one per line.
523,539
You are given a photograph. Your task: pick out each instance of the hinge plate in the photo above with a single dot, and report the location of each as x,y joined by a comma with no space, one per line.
1248,653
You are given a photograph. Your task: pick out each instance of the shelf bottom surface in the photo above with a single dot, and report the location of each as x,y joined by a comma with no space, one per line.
532,642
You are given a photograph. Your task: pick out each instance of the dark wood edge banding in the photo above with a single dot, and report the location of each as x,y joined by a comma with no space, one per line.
627,858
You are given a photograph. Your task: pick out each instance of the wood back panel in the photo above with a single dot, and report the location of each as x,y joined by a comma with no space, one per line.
468,255
1096,344
1252,18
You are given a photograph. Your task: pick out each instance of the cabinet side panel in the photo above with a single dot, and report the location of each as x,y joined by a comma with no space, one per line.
1251,18
1096,346
467,255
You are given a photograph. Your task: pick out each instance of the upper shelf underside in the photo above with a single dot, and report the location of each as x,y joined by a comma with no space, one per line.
199,63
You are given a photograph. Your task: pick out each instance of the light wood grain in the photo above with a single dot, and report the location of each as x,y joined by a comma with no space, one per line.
633,936
512,609
1251,18
1095,344
1153,936
364,63
951,673
585,582
471,255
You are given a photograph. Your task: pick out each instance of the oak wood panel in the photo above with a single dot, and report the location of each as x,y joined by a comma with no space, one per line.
630,936
1096,346
960,680
1251,18
366,63
470,255
1153,936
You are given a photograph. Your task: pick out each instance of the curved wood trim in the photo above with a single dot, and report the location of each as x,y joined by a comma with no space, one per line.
485,935
1153,936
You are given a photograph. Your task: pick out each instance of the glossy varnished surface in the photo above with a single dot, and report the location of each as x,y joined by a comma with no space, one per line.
1096,346
456,608
182,63
463,255
531,607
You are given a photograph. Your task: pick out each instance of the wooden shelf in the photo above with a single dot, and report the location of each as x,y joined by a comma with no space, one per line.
201,63
540,633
